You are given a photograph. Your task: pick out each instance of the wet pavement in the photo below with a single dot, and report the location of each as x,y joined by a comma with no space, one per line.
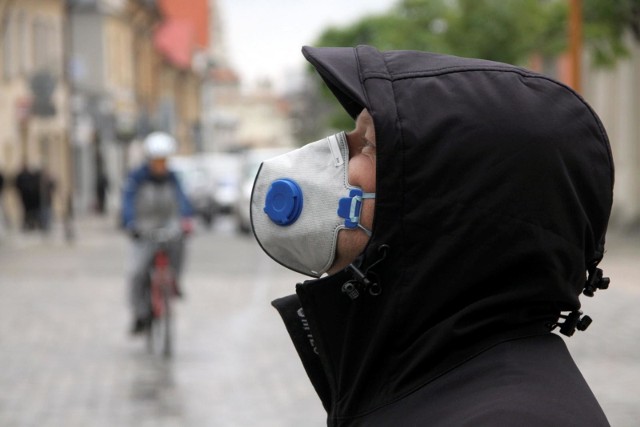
67,359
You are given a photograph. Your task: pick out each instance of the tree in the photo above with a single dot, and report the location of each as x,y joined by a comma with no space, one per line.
508,31
607,23
500,30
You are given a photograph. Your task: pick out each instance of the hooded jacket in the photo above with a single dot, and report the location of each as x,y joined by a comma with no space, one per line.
493,193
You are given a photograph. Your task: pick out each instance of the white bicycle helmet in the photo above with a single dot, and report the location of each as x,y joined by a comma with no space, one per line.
159,145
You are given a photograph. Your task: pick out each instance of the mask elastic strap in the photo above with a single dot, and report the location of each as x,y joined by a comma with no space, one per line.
366,230
355,218
350,207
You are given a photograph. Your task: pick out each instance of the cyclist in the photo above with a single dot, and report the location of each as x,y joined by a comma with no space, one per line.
153,199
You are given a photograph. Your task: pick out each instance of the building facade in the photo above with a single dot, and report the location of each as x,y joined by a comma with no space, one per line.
35,97
615,95
126,82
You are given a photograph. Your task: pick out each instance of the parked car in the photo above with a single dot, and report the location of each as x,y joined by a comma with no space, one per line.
224,169
250,164
196,181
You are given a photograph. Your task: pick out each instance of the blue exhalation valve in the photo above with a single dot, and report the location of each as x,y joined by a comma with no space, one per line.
283,203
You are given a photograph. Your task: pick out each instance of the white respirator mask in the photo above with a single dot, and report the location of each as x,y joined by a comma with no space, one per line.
301,200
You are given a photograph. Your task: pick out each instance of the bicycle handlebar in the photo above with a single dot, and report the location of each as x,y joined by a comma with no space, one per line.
162,235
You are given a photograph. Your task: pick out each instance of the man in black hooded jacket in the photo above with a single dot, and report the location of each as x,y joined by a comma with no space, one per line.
493,189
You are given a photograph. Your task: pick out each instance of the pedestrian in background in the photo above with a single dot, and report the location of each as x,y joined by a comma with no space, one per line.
5,224
27,183
457,225
102,188
47,186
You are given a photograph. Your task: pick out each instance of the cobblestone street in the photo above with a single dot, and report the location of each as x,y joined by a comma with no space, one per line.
67,358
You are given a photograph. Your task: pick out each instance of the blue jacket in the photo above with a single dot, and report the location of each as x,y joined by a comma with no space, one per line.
136,178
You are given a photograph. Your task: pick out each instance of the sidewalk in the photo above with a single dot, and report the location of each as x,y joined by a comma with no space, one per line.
83,229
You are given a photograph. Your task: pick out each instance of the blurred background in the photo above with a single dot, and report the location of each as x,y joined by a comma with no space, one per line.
84,81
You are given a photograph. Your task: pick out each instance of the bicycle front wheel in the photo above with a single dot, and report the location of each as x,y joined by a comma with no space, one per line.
160,332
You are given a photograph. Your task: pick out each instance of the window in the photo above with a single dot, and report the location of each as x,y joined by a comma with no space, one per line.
23,49
40,42
8,57
46,45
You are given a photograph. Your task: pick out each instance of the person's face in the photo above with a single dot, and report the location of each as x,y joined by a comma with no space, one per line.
158,166
362,173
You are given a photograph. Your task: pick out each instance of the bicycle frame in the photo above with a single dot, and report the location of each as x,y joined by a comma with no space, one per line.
162,282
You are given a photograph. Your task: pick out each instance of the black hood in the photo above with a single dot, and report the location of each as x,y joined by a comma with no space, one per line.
494,189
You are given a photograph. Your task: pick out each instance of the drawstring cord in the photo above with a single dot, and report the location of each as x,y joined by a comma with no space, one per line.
366,281
574,320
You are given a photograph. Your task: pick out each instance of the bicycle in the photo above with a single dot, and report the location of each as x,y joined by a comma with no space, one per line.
161,290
